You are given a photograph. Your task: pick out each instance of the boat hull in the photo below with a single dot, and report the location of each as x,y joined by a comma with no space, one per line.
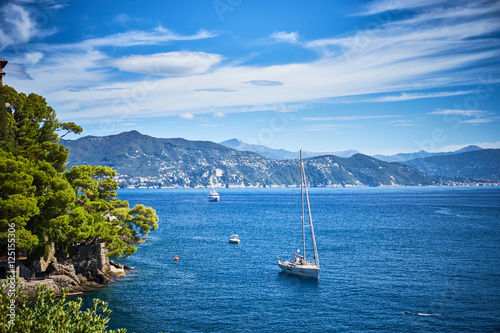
213,199
309,271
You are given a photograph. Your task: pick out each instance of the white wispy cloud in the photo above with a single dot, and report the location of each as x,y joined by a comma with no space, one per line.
410,96
322,127
285,37
215,90
382,6
57,6
157,36
18,25
480,120
208,125
265,83
399,41
349,118
219,114
32,58
122,18
462,10
401,123
477,116
170,63
186,115
463,113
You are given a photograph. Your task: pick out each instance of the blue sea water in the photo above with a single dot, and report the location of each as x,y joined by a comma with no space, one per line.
422,260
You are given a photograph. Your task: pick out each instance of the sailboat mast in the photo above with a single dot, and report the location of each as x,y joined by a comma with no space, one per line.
316,259
302,202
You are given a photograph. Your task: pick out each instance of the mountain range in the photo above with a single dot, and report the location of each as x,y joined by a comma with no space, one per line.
483,165
142,159
471,162
152,161
282,154
403,157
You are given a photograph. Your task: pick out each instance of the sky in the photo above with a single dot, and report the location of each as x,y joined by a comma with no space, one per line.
379,77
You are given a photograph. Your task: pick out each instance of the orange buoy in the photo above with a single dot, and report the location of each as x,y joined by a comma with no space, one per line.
176,258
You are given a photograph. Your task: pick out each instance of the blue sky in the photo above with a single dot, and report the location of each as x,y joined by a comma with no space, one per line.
379,76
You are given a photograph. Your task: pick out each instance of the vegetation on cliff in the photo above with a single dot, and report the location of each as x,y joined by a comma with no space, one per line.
49,204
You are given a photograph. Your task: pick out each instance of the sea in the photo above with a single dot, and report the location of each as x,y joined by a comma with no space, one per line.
394,259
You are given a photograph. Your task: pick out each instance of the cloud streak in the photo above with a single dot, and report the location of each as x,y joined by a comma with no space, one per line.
349,118
410,96
157,36
171,63
463,113
186,115
478,116
285,37
480,120
381,6
265,83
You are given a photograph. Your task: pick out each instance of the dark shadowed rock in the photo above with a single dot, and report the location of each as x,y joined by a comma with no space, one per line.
115,264
87,268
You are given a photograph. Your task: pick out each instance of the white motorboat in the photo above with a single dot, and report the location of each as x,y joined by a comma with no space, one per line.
235,239
299,265
213,196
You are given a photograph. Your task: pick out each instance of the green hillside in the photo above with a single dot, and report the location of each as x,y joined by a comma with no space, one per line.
179,162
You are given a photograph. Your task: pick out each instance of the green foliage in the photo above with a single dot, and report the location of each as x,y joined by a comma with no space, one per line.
48,314
47,204
17,199
108,218
29,128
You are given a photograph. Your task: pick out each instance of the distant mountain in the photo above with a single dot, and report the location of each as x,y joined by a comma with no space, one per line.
179,162
464,150
481,164
402,157
280,154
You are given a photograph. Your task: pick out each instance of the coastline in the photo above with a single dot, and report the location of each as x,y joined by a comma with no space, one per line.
87,268
454,184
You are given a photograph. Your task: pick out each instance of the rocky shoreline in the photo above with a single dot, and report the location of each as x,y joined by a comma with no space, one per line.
86,268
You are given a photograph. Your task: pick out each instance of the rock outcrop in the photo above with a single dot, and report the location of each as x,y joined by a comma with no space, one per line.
117,269
86,268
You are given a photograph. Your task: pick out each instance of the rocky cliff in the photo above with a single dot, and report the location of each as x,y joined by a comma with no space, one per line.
86,268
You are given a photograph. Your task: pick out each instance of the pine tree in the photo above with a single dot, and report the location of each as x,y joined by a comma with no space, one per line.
47,203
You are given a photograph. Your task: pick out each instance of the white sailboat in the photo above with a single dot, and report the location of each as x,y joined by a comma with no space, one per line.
299,265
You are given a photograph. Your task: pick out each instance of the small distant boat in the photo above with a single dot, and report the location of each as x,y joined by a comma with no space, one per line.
235,239
213,196
299,265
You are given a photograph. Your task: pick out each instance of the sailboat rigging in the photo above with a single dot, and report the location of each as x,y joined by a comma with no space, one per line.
300,266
